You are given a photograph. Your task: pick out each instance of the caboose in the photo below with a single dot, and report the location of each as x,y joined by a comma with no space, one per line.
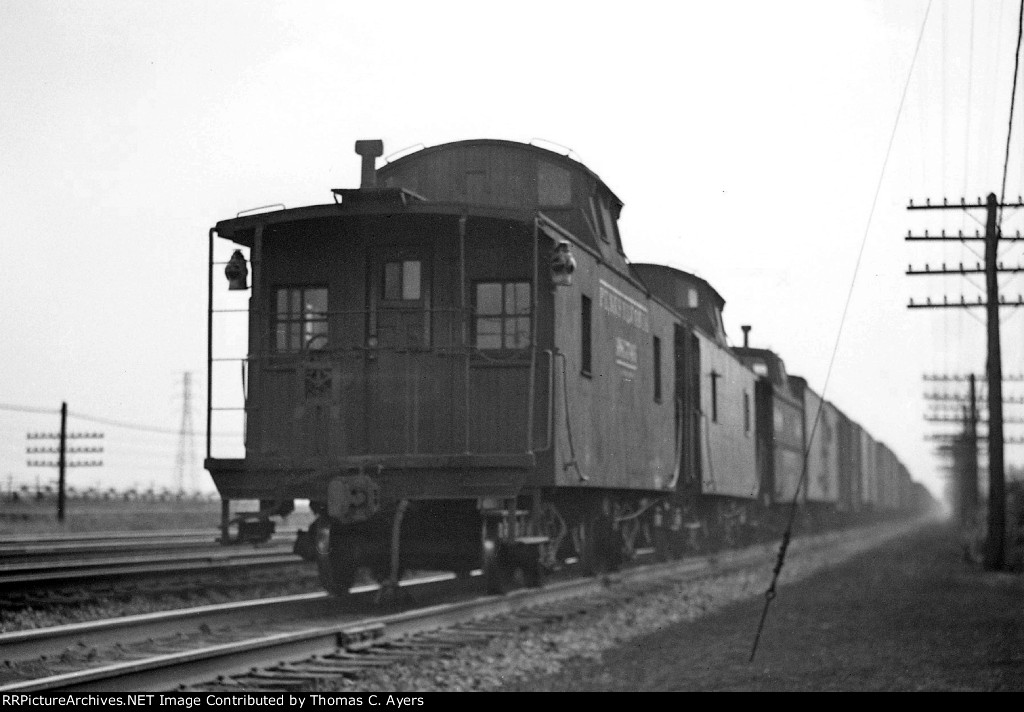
456,365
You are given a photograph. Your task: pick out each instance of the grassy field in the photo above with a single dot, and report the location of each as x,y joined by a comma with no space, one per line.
911,615
82,516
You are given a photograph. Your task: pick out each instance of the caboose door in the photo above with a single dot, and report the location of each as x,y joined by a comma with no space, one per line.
687,387
399,334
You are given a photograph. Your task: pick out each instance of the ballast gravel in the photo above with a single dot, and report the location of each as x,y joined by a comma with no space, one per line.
628,611
87,602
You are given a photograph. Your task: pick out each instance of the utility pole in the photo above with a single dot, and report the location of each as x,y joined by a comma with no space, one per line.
186,457
995,541
964,449
62,460
970,491
995,546
62,451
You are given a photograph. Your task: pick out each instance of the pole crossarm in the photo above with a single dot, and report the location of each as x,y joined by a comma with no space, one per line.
963,303
959,237
961,270
957,398
964,205
55,451
69,436
940,437
966,377
961,420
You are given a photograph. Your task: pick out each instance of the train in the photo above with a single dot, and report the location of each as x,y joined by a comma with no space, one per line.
459,368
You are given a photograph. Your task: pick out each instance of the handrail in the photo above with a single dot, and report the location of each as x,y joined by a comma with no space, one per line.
261,207
551,402
679,443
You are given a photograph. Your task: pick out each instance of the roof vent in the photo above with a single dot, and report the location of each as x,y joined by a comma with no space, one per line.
369,150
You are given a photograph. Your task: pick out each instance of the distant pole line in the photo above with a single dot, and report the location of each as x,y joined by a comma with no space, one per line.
62,451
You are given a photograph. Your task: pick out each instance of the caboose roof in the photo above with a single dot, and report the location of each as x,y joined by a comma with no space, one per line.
770,359
686,277
386,202
480,142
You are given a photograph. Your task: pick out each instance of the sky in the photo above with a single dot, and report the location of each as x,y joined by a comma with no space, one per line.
747,140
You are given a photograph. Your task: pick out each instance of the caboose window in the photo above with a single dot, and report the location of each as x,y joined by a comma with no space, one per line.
402,280
502,315
300,318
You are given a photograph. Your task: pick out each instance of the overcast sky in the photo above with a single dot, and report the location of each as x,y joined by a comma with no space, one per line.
746,139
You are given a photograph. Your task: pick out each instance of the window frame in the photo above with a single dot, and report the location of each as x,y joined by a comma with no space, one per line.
401,262
302,318
503,317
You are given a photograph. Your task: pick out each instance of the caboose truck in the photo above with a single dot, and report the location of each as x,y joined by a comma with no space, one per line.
456,364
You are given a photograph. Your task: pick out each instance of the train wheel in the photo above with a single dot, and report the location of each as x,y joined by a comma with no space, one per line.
531,561
662,551
497,568
337,561
599,551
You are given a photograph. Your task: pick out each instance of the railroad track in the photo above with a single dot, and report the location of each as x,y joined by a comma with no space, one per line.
325,640
39,545
42,561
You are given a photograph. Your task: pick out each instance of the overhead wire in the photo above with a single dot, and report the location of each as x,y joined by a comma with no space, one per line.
136,426
1013,101
787,533
943,122
1009,140
141,427
28,409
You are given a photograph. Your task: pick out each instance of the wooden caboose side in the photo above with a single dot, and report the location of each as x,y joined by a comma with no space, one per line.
716,399
869,469
850,466
822,450
359,353
595,345
780,424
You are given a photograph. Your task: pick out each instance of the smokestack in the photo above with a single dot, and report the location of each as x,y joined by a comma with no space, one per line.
369,150
746,335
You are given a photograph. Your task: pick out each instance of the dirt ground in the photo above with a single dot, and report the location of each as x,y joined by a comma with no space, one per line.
912,615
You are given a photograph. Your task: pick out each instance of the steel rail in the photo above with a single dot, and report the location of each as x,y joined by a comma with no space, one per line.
193,667
115,535
10,549
53,572
24,645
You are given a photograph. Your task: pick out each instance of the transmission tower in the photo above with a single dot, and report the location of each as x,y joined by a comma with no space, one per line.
186,458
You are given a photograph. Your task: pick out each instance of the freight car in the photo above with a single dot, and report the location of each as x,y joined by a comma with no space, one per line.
455,363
